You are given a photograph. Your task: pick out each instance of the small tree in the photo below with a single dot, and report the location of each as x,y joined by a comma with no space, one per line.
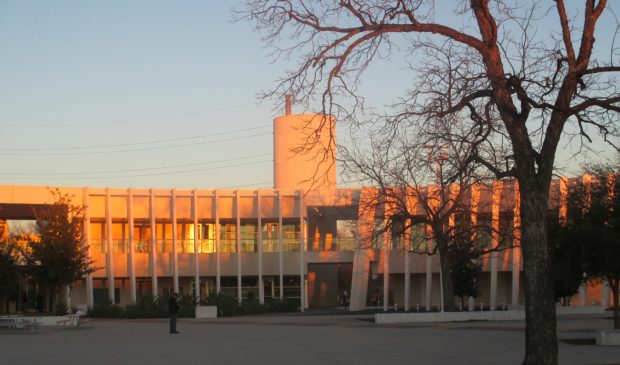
594,225
9,274
58,257
466,267
567,264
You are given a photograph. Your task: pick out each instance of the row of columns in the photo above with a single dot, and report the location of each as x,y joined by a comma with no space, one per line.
110,275
493,256
498,187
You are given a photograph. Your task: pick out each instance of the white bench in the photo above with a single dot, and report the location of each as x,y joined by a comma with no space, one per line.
8,322
31,324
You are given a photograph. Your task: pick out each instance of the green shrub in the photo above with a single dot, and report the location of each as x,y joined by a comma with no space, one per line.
227,305
187,306
275,305
157,307
61,309
251,306
106,310
146,306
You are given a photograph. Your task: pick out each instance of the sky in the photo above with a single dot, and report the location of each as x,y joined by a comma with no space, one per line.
141,94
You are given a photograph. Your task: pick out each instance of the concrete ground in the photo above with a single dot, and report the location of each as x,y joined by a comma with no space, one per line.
318,339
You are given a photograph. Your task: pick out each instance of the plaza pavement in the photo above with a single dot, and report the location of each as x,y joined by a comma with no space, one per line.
317,339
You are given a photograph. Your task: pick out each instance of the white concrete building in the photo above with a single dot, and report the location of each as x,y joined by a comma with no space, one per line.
299,240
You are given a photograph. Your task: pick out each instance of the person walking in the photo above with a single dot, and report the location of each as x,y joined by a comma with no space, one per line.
173,309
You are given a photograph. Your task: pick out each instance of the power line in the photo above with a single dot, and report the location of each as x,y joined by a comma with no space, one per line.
134,149
247,185
133,170
118,121
142,175
167,140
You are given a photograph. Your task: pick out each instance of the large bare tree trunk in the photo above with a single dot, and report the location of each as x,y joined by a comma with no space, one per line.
540,332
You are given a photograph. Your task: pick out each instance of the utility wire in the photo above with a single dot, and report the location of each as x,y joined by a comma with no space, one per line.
48,174
247,185
118,121
134,149
142,175
167,140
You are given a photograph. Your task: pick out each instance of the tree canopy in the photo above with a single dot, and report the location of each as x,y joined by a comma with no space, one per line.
514,77
58,257
592,229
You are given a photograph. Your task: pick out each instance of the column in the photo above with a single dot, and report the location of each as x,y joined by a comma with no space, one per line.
605,294
583,293
261,285
475,204
153,250
238,244
132,264
411,207
218,275
516,249
429,270
280,244
110,255
90,295
302,270
495,240
175,257
386,269
455,197
407,278
196,245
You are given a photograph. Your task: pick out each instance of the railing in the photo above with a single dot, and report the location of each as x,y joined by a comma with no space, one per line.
289,244
99,246
332,244
228,245
120,246
206,246
163,246
270,245
185,246
248,245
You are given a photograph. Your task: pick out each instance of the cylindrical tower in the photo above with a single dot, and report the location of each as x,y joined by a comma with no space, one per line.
304,152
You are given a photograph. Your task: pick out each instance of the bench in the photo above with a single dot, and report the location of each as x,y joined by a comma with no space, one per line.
9,321
85,322
30,324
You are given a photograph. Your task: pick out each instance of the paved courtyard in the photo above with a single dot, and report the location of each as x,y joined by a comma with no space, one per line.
297,339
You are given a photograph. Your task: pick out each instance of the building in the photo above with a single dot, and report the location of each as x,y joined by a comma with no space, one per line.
301,240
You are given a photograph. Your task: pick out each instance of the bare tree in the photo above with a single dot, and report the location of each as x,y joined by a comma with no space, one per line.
521,76
419,185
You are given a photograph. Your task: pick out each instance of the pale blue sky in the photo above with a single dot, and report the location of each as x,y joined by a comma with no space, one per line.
117,74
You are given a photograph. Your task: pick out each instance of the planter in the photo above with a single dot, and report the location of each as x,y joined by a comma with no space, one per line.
608,337
206,311
509,315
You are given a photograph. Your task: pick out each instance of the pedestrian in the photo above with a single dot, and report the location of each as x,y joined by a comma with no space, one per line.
173,309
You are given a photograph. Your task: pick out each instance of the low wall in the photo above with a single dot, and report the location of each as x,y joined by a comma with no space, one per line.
588,309
509,315
608,337
206,311
48,320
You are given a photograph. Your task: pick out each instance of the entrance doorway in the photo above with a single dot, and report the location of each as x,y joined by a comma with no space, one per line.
328,284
